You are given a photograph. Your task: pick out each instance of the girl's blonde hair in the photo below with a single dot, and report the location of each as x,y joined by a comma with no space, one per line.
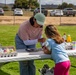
52,32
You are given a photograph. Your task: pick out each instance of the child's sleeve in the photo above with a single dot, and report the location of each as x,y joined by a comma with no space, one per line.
46,44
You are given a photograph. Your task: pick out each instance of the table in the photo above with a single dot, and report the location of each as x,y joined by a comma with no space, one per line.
23,55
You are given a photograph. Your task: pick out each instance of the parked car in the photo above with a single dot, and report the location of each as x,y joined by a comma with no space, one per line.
56,12
18,12
43,10
1,11
69,11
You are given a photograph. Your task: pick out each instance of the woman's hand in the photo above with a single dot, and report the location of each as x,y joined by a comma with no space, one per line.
42,40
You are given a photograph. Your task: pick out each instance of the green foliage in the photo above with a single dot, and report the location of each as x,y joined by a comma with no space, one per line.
6,8
25,4
70,6
65,5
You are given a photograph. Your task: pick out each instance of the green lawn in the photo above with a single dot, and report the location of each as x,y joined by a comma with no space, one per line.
7,34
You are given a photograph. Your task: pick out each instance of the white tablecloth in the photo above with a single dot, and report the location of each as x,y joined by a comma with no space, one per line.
23,55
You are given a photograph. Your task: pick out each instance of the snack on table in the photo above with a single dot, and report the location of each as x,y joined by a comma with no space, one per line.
7,52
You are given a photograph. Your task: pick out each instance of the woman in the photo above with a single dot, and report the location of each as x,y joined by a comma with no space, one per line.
29,34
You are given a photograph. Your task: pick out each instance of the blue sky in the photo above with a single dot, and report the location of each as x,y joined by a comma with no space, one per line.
44,1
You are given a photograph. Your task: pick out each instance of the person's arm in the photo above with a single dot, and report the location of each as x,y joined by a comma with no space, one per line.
46,48
41,43
31,42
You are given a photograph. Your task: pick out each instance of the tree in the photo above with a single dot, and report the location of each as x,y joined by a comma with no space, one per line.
70,6
65,5
17,4
26,4
6,8
29,2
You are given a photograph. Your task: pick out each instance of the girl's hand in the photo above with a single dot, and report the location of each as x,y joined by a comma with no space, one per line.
45,50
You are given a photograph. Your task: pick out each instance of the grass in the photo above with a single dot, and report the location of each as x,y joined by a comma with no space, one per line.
7,35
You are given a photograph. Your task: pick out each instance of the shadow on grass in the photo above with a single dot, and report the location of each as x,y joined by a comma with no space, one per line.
3,73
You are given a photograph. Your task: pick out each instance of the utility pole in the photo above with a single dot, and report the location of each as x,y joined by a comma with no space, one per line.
5,2
40,5
60,12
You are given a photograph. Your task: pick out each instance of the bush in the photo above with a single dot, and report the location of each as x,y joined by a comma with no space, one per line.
6,8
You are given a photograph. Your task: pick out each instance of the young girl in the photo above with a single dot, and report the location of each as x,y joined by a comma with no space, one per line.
55,46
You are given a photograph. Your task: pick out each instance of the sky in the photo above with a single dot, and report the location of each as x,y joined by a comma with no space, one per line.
7,1
57,1
44,1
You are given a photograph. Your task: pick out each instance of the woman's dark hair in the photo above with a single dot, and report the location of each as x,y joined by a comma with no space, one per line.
31,21
52,32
